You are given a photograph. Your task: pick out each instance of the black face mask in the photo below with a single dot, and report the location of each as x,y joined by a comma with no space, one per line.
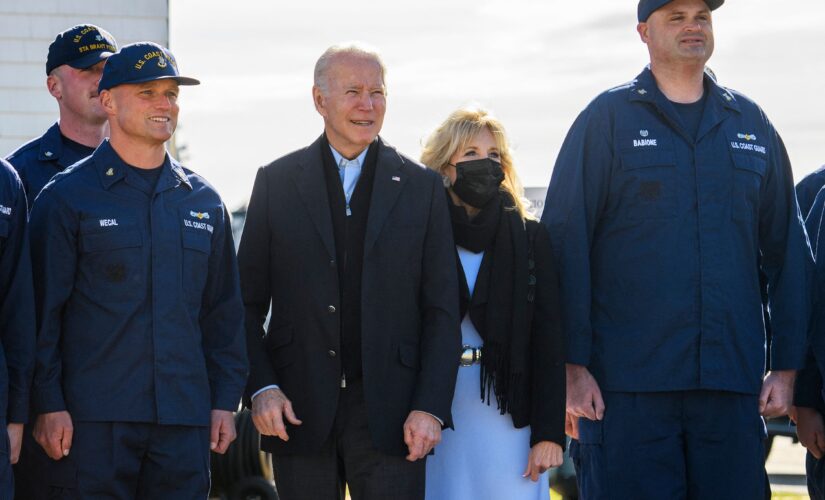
477,181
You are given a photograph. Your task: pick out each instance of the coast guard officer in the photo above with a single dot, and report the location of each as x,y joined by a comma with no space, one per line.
73,68
141,354
809,399
668,196
16,321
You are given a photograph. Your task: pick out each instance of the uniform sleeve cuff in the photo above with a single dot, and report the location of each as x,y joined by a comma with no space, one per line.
785,360
18,410
49,400
578,356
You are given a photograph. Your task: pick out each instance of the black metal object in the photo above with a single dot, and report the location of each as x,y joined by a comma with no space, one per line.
780,426
244,472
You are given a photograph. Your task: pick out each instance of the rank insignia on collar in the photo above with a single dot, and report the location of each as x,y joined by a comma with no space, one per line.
642,91
110,172
179,172
48,153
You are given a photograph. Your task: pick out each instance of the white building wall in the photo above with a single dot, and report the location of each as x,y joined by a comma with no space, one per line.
27,27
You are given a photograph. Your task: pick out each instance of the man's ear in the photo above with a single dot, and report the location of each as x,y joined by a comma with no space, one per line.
107,101
641,29
54,86
319,100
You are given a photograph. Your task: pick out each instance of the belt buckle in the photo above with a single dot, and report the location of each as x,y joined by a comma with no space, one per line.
469,355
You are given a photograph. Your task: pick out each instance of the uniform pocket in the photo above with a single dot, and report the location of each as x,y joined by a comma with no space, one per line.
591,473
590,431
409,356
196,246
748,172
648,184
111,263
279,345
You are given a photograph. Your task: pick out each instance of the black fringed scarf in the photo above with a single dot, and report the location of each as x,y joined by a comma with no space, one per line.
499,307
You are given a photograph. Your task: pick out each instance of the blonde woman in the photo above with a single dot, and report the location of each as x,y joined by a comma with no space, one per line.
508,409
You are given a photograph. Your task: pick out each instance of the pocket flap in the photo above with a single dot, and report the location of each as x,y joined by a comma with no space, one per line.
196,240
408,354
646,158
752,163
111,240
278,337
109,232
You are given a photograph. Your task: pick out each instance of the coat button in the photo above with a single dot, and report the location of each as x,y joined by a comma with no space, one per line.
332,353
331,309
332,263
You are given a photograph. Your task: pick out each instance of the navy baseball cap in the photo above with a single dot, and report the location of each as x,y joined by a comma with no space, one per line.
141,62
80,47
647,7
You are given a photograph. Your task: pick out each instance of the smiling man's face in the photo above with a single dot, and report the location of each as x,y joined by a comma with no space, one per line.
145,112
353,103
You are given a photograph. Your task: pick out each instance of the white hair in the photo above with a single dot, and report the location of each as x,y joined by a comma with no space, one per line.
357,49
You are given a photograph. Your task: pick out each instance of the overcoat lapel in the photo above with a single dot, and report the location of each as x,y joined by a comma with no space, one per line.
388,183
311,184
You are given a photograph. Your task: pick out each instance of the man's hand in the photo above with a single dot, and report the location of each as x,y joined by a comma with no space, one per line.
811,430
268,411
776,397
421,433
571,426
53,431
543,455
222,431
584,399
15,440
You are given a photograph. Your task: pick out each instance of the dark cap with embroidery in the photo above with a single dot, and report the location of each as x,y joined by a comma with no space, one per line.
80,47
647,7
141,62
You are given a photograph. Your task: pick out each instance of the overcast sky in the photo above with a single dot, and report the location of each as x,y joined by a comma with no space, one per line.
535,63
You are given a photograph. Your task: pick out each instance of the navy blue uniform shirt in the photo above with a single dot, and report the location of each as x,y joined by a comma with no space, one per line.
808,391
140,315
808,388
16,300
661,236
40,159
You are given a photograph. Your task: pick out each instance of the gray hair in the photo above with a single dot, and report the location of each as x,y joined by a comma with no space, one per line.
357,49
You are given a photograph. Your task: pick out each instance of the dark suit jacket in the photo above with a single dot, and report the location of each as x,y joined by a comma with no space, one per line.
410,333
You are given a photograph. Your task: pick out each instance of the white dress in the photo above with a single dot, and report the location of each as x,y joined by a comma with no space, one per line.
485,456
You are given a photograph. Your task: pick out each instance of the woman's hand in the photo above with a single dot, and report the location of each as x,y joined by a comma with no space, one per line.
543,455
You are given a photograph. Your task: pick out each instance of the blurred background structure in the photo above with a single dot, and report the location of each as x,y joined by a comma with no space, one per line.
27,27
